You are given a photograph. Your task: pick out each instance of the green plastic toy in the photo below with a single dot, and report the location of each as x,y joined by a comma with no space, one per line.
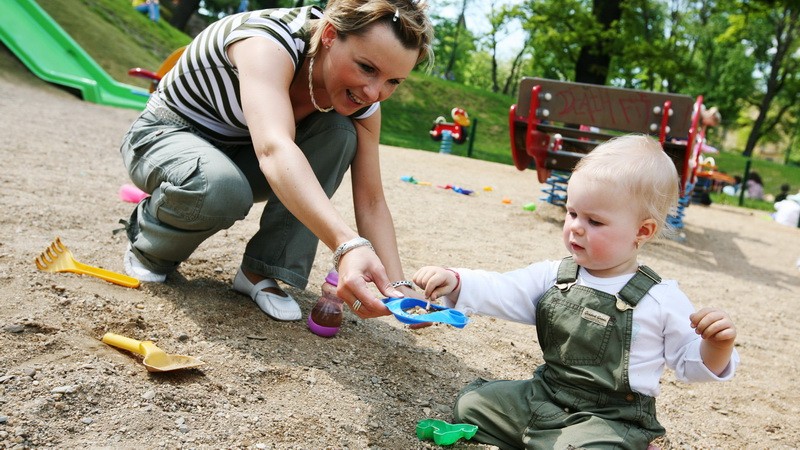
443,433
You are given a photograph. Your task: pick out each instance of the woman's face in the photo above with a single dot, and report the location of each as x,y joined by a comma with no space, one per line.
362,70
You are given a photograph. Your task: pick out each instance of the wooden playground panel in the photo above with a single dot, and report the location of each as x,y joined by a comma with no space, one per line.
555,123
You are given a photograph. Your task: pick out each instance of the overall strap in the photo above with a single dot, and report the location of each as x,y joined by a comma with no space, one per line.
567,273
636,288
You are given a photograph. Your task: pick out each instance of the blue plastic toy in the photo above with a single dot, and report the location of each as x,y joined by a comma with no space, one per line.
442,314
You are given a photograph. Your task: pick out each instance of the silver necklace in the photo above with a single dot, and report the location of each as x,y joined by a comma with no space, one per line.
311,88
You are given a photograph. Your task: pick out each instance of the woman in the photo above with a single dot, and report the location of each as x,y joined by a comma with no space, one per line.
275,106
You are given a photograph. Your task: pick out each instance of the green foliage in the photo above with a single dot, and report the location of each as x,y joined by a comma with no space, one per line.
449,37
119,38
115,35
557,29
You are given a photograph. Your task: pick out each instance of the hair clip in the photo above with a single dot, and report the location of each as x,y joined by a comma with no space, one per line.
396,15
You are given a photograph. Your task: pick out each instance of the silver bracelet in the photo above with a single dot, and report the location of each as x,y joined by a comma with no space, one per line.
402,283
347,246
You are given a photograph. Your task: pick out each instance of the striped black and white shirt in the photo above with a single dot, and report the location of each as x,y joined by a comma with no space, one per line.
203,87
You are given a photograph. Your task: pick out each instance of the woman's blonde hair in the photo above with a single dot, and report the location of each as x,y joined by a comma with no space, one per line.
407,18
640,168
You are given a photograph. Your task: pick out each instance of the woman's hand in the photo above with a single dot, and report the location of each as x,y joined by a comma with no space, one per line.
357,268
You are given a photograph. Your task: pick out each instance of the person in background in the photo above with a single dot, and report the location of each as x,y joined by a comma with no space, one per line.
735,189
754,187
149,7
276,106
607,325
787,211
783,193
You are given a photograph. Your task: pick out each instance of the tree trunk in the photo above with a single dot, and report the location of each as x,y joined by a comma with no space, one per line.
514,69
495,84
594,59
183,12
452,61
786,32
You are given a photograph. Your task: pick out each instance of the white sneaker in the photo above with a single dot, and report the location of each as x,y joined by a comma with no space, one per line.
279,307
135,269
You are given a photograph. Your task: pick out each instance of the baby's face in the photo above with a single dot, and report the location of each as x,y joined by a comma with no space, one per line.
601,226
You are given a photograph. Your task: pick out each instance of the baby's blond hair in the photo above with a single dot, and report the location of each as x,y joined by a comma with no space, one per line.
638,166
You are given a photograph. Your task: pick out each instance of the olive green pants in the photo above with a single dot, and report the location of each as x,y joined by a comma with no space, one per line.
199,187
529,414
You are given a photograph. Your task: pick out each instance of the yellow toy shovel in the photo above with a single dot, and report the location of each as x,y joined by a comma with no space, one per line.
155,359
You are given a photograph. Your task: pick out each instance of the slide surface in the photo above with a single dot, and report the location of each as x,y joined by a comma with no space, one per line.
52,55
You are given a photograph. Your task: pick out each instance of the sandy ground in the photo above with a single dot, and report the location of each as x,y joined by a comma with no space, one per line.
275,385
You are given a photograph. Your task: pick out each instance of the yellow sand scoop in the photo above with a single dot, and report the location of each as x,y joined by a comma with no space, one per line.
58,258
155,359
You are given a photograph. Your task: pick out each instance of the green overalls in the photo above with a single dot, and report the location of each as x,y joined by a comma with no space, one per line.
581,396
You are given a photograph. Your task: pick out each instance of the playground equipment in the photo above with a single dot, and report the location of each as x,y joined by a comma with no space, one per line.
458,128
52,55
155,77
546,134
449,132
708,179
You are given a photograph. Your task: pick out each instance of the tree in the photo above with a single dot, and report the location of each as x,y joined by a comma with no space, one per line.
556,29
773,31
451,61
453,39
498,20
595,56
218,8
182,12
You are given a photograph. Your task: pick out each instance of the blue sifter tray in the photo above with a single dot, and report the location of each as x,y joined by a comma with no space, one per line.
400,306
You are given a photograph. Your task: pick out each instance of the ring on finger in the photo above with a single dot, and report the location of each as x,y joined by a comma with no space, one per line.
356,305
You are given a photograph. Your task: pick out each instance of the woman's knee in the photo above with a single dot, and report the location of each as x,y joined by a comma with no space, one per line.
206,196
329,143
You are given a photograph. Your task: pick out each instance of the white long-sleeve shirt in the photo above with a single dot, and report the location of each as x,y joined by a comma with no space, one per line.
662,334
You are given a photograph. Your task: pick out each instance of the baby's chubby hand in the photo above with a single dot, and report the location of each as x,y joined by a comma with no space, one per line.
715,326
436,281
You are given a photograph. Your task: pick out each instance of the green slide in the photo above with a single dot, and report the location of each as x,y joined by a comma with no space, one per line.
52,55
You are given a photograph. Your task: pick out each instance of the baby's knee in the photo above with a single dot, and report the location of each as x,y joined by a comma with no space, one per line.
466,405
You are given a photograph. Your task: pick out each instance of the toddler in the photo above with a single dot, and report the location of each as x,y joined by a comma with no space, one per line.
607,325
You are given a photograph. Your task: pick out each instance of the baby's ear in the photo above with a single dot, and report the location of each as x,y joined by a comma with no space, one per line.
647,230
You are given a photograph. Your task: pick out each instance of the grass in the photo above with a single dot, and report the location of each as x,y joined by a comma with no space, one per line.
772,174
119,38
410,113
116,36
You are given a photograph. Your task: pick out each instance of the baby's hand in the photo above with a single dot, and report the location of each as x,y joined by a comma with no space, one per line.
436,281
715,326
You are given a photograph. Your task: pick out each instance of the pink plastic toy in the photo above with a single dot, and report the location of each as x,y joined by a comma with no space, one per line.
132,194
